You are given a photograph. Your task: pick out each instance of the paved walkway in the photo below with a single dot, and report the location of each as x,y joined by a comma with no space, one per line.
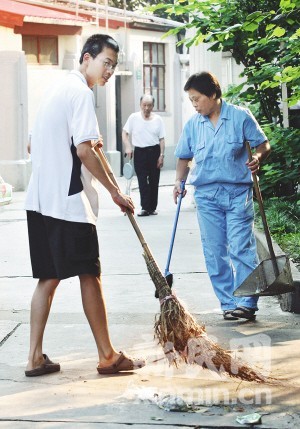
78,397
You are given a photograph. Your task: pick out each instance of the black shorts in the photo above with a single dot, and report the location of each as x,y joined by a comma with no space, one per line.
60,249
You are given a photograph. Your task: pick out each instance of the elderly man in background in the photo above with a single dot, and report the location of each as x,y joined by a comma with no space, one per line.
144,133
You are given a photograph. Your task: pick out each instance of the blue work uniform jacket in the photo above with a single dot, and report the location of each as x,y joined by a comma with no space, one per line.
220,152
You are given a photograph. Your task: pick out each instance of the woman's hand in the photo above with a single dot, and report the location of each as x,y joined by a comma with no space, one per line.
177,191
254,164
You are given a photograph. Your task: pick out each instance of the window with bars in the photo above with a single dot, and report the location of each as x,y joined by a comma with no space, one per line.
40,49
154,73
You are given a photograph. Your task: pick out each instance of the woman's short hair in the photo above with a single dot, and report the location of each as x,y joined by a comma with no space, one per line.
96,43
205,83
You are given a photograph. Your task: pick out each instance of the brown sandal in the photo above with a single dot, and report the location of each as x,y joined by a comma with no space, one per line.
48,367
123,363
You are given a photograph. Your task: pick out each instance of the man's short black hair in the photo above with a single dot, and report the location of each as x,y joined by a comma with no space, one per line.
205,83
96,43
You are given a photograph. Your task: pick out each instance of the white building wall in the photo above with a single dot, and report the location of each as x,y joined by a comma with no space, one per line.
187,109
69,48
13,119
9,41
201,59
230,71
23,88
40,78
39,83
221,64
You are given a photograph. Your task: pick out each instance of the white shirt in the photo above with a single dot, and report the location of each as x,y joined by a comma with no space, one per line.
60,186
145,132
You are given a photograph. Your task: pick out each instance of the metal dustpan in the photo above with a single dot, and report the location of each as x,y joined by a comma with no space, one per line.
264,281
273,275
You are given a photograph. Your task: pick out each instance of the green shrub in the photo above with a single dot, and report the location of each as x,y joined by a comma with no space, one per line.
280,174
283,217
290,243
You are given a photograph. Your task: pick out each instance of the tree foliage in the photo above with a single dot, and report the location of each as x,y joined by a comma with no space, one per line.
121,4
135,5
280,175
263,35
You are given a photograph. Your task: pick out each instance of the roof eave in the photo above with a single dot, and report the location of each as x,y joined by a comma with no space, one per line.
55,21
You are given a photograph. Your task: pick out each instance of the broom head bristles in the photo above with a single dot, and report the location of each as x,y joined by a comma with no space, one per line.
183,339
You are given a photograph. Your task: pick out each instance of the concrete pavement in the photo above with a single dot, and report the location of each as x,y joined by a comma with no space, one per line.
78,396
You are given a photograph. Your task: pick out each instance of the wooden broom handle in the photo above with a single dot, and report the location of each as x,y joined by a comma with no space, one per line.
99,151
262,213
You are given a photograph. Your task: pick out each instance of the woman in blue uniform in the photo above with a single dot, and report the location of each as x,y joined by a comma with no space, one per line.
215,138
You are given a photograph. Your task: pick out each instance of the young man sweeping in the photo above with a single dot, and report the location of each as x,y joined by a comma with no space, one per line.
62,205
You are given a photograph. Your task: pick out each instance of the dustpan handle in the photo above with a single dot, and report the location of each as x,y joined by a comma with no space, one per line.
175,226
263,214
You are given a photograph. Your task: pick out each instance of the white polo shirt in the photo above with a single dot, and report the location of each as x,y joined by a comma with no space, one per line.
60,186
145,132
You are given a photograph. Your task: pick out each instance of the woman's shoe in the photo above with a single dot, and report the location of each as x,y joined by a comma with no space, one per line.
227,314
244,313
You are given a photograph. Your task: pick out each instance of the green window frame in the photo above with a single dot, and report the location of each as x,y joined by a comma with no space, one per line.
154,70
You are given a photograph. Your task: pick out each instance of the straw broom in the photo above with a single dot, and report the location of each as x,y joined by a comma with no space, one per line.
175,328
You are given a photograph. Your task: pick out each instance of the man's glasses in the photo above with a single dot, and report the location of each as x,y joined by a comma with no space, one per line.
109,66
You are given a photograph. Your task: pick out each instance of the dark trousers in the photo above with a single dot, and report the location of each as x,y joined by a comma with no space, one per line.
145,165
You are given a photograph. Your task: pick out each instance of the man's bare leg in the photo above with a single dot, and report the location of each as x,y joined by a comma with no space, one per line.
95,311
40,308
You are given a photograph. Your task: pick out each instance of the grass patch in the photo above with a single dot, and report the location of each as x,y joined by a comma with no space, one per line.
283,216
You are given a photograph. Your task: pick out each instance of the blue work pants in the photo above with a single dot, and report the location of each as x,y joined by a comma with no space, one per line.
226,226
